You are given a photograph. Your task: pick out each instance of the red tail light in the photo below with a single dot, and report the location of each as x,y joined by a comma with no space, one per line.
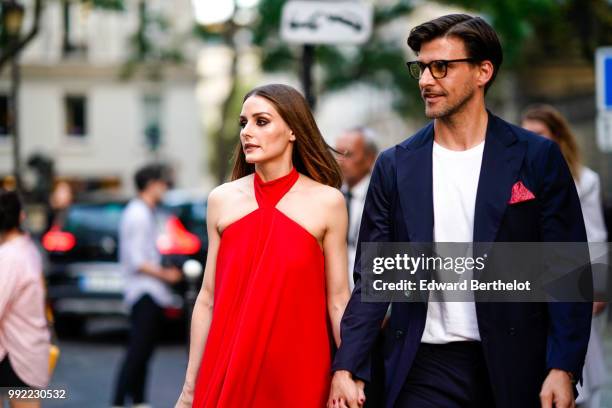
58,241
176,240
172,312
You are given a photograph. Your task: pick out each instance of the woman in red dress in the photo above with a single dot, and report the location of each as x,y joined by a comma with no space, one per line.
275,284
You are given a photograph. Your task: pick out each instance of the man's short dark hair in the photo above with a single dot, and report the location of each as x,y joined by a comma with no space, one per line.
480,39
151,173
10,211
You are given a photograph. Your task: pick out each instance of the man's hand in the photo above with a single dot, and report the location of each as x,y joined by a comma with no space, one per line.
599,307
345,392
558,390
172,275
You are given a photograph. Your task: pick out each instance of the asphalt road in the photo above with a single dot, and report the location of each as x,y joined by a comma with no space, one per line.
88,365
607,390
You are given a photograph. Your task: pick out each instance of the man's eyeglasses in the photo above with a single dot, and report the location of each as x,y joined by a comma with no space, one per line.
437,68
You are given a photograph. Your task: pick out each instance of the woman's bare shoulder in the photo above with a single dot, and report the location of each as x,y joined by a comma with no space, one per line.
326,195
232,190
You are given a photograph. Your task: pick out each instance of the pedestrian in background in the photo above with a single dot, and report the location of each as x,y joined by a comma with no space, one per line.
148,284
24,333
60,200
550,123
357,153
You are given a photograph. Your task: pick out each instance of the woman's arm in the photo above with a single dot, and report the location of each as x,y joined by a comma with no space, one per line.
202,312
336,264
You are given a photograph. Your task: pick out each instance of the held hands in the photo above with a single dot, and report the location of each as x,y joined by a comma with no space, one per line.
345,392
558,390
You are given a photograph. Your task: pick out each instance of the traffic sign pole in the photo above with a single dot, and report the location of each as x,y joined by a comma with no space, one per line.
309,22
307,62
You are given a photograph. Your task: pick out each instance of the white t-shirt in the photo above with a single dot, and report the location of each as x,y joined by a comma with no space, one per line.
455,183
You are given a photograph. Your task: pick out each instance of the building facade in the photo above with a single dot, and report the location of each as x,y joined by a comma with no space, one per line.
98,125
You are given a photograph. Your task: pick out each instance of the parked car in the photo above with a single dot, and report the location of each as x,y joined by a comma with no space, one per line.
84,277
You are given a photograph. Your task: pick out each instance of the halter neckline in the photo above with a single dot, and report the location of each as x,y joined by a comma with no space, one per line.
269,193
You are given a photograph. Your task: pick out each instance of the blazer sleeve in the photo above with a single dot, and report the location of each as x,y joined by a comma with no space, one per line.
562,221
362,320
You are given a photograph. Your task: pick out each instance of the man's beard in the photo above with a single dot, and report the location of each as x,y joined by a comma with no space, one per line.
450,110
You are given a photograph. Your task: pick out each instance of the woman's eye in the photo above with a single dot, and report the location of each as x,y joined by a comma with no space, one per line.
242,123
261,122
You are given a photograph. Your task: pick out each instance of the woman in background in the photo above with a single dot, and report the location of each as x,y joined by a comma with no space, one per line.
24,334
548,122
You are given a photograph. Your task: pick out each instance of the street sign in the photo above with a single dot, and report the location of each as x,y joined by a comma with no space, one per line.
326,22
603,74
603,67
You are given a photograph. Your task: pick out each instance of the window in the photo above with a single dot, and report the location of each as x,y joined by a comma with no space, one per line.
152,121
74,22
76,115
5,126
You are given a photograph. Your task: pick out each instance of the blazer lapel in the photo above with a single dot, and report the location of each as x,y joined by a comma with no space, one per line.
501,162
414,184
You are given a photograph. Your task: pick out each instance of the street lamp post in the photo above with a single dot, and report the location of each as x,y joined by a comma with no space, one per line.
12,19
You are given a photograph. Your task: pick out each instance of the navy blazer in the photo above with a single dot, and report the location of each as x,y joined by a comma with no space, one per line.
521,341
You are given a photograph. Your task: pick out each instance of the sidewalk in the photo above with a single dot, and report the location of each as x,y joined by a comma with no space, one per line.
607,391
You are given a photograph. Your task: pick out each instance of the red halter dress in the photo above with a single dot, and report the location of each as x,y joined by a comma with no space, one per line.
268,343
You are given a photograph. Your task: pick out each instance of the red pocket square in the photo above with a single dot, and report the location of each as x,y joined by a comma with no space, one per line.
520,193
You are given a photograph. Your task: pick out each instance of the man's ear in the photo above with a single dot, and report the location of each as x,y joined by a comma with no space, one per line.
485,72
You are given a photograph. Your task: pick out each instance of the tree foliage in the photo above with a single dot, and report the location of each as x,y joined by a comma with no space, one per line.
379,62
513,20
152,46
572,30
117,5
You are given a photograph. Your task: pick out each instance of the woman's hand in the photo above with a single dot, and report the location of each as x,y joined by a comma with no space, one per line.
345,392
185,399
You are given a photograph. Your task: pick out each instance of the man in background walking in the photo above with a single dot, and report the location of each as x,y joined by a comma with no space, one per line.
148,283
358,151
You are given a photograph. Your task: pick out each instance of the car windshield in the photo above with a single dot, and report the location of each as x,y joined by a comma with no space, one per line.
94,218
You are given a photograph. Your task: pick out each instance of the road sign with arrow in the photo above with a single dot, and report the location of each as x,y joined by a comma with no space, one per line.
326,22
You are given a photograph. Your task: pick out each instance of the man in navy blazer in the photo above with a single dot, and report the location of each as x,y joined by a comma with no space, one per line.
467,177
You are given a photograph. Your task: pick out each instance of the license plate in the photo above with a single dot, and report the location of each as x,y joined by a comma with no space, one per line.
102,281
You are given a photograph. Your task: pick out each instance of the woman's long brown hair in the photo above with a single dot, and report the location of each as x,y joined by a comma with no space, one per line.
311,154
554,120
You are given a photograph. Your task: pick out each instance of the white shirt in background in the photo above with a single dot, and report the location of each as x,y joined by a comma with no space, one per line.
137,245
358,196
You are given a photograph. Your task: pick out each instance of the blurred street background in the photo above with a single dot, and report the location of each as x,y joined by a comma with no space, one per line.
90,90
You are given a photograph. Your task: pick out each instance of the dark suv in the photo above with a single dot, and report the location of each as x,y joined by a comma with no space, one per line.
84,277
